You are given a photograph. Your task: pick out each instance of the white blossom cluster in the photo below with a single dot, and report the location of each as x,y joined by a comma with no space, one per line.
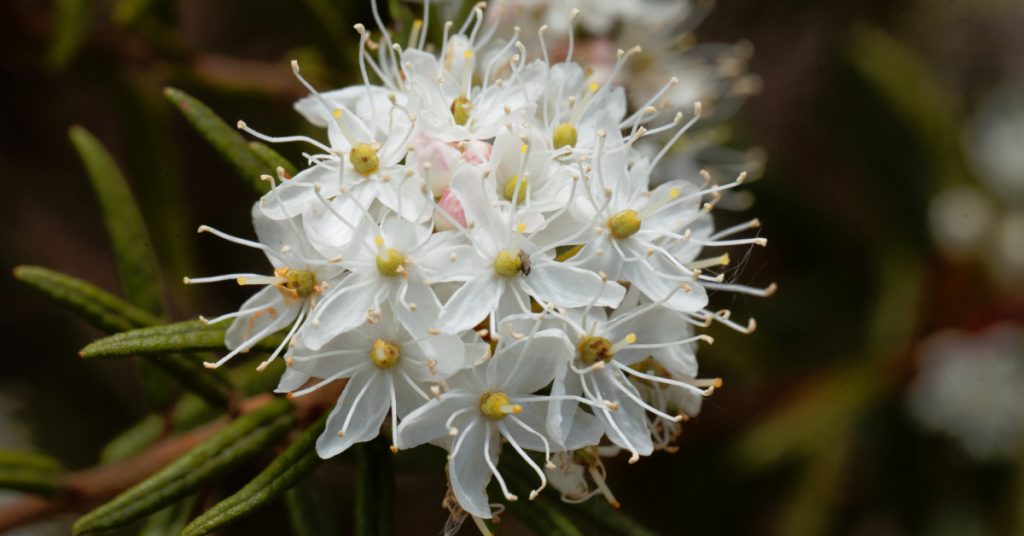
478,251
672,68
968,386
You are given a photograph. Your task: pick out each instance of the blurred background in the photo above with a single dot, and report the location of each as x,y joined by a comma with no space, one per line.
883,392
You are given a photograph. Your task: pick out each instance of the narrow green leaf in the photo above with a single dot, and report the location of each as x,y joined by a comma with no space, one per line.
29,472
272,158
239,441
151,158
99,307
136,262
297,461
72,19
375,491
311,508
110,313
134,440
189,372
126,12
170,520
189,412
224,138
187,336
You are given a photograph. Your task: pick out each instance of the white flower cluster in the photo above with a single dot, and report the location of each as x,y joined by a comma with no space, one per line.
968,387
477,250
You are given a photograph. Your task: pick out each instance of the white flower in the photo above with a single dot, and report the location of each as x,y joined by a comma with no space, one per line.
501,269
387,263
288,296
969,386
363,161
388,369
441,90
484,406
468,189
638,345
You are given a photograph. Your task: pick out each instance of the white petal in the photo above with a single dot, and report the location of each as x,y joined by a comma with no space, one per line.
468,186
427,308
568,286
584,432
657,287
346,309
630,418
368,413
470,304
427,422
468,471
291,197
274,312
454,263
530,364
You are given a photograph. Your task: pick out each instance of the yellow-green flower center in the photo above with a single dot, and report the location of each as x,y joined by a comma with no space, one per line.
565,134
496,406
594,349
384,354
390,262
508,263
364,158
461,107
624,224
512,185
297,284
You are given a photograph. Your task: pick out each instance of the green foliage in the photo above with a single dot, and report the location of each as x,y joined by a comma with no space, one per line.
284,472
136,263
127,12
170,520
375,489
187,336
311,508
225,139
72,26
247,436
97,306
603,515
110,313
29,472
135,439
188,413
272,158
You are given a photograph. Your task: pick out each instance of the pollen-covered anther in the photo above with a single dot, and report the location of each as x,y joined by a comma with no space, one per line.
508,263
495,405
564,135
384,354
391,263
624,224
364,158
461,108
515,188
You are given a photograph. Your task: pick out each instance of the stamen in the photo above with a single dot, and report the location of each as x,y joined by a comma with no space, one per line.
494,469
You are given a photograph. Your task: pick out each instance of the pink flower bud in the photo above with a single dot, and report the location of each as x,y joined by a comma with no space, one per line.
451,206
476,151
436,160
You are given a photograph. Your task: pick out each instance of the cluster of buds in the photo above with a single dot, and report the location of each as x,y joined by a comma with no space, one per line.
478,250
